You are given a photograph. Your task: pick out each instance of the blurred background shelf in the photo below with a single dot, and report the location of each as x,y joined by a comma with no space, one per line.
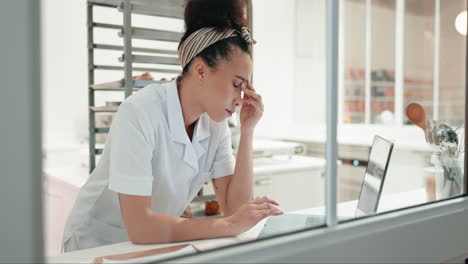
158,63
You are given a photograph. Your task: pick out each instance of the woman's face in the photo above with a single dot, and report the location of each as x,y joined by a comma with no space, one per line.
222,86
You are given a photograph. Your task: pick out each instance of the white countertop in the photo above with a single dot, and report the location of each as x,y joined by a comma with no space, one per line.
408,137
282,164
393,201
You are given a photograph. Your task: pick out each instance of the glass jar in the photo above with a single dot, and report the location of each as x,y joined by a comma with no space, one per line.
448,175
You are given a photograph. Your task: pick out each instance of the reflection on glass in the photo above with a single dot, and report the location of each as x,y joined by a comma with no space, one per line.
374,178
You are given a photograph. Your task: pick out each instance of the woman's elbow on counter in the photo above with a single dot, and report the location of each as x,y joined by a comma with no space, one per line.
143,235
137,238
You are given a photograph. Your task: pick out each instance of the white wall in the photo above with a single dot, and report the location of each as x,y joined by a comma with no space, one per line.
309,89
64,78
274,79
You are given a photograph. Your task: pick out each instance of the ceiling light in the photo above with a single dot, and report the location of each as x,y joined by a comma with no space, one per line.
460,23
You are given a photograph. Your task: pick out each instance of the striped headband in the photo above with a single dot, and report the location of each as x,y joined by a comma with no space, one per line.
205,37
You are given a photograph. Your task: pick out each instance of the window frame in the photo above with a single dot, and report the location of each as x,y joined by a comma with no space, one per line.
315,244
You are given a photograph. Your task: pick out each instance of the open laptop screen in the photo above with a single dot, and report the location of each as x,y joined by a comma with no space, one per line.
374,177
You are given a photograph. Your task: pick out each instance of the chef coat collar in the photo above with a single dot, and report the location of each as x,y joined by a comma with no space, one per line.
193,150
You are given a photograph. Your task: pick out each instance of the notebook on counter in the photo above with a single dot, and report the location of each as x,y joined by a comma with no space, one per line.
151,255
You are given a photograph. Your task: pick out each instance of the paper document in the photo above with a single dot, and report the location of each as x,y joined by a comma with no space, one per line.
149,255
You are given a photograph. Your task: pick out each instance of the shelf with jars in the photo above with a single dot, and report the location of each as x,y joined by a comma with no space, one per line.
382,95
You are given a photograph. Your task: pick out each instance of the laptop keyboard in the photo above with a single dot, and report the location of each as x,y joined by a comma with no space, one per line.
287,223
312,221
290,222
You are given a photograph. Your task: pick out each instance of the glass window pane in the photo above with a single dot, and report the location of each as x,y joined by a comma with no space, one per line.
354,34
419,55
434,75
295,98
452,64
288,146
383,61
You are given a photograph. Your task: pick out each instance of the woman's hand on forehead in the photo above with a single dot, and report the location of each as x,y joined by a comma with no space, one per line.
245,85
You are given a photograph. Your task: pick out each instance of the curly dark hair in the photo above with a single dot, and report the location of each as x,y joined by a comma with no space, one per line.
222,15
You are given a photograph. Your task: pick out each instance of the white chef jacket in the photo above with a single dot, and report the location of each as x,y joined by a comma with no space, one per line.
148,153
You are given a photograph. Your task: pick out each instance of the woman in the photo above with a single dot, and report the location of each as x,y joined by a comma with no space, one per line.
167,140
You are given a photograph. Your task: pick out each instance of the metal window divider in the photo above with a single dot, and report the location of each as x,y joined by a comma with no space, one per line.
91,101
399,60
127,21
332,22
465,176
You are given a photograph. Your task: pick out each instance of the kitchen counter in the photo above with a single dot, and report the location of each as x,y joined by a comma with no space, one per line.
407,138
389,202
282,164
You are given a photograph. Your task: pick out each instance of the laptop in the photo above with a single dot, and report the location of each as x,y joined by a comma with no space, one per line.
369,196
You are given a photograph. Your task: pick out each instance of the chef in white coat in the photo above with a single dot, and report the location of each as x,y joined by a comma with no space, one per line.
168,139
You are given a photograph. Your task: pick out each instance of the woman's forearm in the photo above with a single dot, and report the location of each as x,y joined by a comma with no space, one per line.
158,228
240,188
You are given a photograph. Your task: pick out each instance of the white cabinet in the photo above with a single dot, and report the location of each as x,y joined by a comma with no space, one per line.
296,183
263,186
299,190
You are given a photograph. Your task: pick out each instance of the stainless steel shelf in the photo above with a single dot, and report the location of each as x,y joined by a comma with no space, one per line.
108,26
152,59
103,109
164,8
106,3
140,69
153,34
142,83
102,130
110,89
119,85
135,49
144,33
161,8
